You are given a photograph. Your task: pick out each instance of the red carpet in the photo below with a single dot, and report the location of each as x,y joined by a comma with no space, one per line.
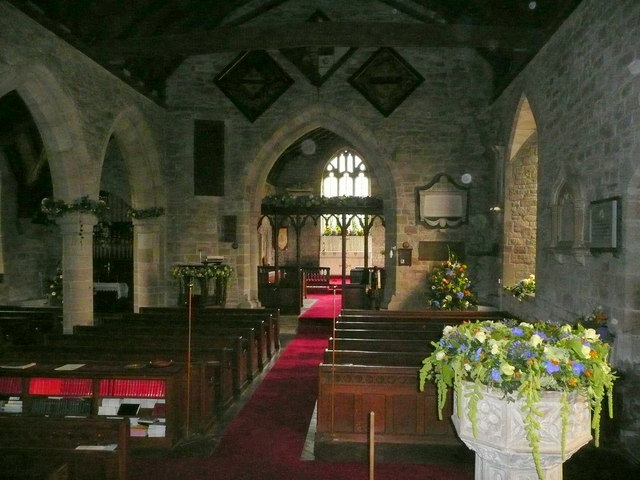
325,306
265,440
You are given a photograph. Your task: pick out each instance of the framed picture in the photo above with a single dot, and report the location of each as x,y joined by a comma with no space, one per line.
604,225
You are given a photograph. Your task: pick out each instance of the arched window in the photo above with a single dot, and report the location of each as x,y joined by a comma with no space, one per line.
344,175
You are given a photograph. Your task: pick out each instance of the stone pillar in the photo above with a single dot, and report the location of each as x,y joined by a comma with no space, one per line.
77,268
148,263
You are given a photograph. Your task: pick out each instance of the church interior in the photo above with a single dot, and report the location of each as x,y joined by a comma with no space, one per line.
194,192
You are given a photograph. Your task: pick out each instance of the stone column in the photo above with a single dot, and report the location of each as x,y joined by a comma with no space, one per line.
148,263
77,268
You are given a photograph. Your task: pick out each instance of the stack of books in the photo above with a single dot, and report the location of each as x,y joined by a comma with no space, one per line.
11,405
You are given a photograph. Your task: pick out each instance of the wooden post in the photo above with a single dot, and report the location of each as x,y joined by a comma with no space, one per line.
372,428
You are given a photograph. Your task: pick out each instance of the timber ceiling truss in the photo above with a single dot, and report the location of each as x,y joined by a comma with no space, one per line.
143,41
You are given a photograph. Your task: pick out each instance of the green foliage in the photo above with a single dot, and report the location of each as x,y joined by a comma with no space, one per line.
522,360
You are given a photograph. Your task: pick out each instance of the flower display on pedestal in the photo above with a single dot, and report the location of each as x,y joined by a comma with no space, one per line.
449,287
522,360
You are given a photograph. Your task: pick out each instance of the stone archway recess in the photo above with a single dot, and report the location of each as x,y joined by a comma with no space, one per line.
362,139
517,240
142,157
73,175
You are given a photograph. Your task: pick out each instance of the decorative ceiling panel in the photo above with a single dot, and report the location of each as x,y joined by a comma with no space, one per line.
253,82
318,63
386,80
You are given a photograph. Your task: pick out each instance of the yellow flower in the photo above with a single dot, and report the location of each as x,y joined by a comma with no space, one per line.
507,369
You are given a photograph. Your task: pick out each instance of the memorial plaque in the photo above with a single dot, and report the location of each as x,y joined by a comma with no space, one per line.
439,251
604,224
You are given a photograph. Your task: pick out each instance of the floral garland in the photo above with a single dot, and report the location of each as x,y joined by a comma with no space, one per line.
450,287
522,360
287,200
57,208
204,271
145,212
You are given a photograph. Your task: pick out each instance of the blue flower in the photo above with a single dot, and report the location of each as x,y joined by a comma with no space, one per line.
578,368
476,358
436,303
460,295
517,331
495,375
551,367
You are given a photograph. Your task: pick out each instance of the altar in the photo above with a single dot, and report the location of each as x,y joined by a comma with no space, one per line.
121,289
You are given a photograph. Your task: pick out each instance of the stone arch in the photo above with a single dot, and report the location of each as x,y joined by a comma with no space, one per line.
72,173
142,157
360,138
568,184
520,197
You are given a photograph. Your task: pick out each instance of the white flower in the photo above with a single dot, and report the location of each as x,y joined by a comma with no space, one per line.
535,340
440,355
495,348
481,336
591,335
585,350
448,330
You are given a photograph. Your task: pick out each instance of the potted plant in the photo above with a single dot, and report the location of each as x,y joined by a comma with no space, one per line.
450,286
524,365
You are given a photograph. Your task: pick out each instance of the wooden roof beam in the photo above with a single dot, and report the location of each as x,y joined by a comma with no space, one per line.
226,39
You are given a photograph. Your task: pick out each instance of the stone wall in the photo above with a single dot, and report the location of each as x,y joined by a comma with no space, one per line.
77,107
586,102
439,128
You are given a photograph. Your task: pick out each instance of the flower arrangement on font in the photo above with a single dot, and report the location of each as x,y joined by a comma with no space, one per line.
522,360
450,287
523,288
599,321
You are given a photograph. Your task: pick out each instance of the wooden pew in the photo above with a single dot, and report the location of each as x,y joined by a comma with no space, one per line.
51,442
202,349
211,381
28,326
374,358
404,416
253,339
459,315
381,344
250,344
271,316
372,364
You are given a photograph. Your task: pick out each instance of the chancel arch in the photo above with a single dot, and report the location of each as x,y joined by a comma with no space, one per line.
521,198
352,133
